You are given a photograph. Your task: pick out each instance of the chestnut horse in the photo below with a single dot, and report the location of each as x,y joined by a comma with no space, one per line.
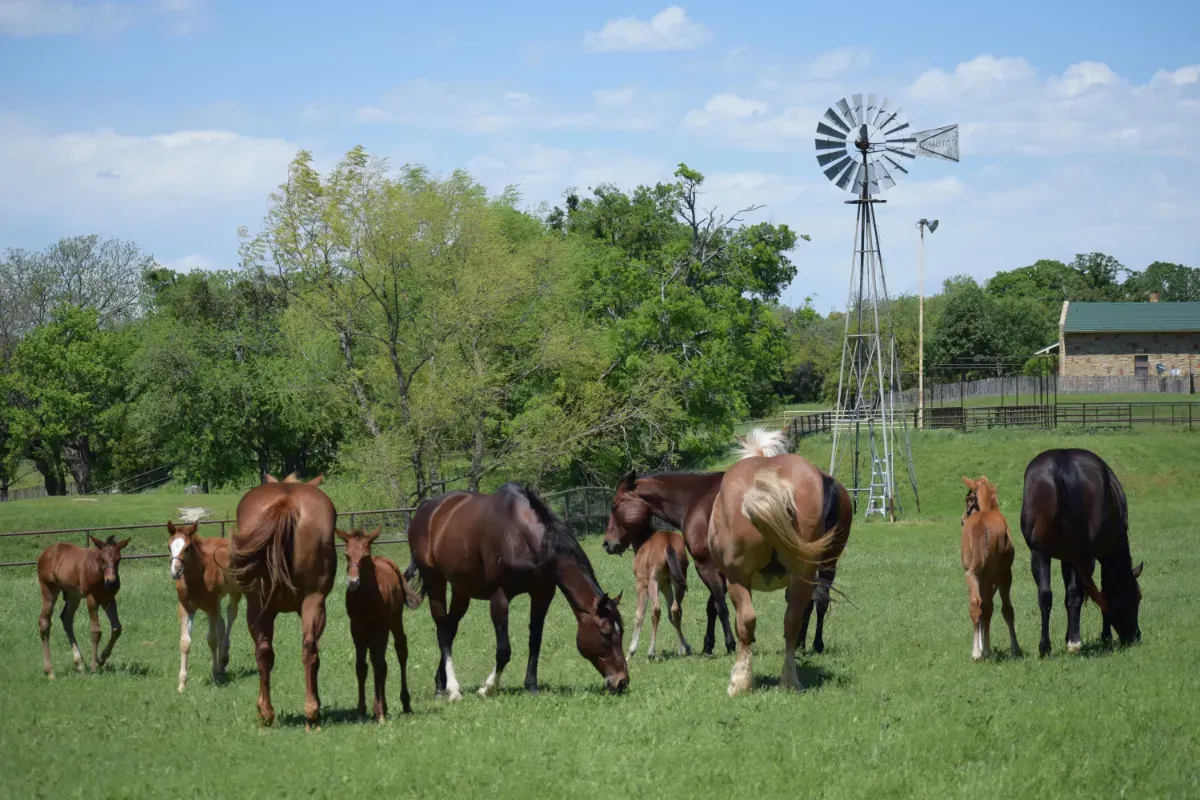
77,573
199,566
284,560
987,559
683,500
660,565
775,520
376,593
1074,510
495,547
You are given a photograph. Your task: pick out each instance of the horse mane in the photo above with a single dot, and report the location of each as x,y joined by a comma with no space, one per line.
762,443
562,543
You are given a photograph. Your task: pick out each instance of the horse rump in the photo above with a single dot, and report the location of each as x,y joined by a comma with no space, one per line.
260,555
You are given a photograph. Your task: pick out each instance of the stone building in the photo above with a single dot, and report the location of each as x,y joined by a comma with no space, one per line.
1129,339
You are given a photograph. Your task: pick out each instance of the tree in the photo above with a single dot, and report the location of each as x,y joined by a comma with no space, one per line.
1172,283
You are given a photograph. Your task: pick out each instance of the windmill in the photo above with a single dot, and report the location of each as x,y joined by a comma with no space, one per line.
863,147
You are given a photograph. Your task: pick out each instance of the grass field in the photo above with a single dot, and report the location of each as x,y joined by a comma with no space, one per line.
895,705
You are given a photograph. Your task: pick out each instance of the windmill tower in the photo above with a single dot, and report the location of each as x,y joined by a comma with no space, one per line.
862,148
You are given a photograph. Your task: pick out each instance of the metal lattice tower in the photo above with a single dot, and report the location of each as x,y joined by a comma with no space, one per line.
863,144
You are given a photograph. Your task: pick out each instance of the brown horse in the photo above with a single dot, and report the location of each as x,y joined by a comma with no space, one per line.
660,565
987,559
199,566
495,547
284,560
684,500
775,520
376,594
80,572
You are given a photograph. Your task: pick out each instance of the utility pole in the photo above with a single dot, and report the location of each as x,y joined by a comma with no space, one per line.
921,225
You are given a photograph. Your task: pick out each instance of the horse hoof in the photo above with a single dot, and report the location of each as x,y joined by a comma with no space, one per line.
486,690
455,696
818,647
50,675
310,728
1074,647
180,688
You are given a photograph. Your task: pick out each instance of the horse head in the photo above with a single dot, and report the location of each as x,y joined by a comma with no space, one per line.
1124,597
358,552
109,552
599,640
629,521
180,541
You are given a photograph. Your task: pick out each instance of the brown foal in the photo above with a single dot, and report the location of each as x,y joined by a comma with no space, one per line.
376,593
987,558
200,566
76,573
660,565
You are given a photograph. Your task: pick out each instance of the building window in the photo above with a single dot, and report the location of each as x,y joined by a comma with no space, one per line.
1141,366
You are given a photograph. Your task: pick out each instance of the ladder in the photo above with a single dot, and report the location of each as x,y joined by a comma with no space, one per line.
877,498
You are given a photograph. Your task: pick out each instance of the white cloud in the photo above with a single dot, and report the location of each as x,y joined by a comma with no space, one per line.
1081,77
492,110
30,18
723,107
1184,76
838,62
543,172
669,29
977,75
189,263
183,16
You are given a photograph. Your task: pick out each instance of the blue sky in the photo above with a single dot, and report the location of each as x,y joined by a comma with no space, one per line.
170,121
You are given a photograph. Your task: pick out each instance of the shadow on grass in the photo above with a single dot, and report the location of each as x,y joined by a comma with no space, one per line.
133,669
232,675
329,716
811,677
590,690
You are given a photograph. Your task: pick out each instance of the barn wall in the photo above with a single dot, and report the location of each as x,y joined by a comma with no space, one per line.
1112,353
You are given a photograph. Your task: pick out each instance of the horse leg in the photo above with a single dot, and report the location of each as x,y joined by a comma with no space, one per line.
49,596
642,598
741,678
1039,564
459,603
503,645
655,615
675,614
975,611
1004,583
216,632
68,622
400,642
821,601
185,643
94,632
379,667
114,632
261,623
1073,584
716,586
312,623
231,615
360,667
435,590
798,598
539,604
808,609
987,597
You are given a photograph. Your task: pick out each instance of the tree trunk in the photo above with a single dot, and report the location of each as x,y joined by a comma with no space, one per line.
477,456
264,463
78,455
52,476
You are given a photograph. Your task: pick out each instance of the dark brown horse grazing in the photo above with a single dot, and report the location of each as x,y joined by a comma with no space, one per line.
376,594
76,573
283,557
1074,510
495,547
683,500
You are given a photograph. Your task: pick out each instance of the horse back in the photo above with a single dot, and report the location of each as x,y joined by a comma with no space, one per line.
1073,507
986,543
65,566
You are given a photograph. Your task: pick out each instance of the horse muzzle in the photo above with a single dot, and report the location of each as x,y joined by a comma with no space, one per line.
614,548
352,584
617,685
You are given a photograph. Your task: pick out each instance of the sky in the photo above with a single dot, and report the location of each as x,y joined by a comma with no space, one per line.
170,122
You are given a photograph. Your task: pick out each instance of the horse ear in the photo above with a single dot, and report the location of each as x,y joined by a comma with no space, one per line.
970,483
616,601
317,480
121,544
170,527
630,479
373,535
1137,571
99,544
341,534
269,478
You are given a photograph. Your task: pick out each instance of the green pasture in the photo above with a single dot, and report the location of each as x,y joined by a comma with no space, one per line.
895,705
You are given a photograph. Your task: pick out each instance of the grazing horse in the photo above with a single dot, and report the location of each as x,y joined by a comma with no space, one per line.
660,564
376,594
775,520
684,500
284,560
80,572
987,558
495,547
1074,510
199,566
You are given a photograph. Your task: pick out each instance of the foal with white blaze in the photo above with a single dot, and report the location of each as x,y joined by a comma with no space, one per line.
198,566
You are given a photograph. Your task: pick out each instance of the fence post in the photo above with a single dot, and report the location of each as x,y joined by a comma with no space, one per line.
567,507
587,511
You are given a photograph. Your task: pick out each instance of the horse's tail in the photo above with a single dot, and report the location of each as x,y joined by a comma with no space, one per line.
676,571
836,523
412,598
413,583
1073,518
265,546
762,443
770,505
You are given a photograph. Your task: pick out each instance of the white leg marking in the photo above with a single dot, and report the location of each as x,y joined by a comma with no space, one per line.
789,678
977,646
185,645
490,685
1074,647
452,687
740,679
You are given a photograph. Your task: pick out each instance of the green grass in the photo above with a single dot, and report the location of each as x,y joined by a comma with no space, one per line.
895,705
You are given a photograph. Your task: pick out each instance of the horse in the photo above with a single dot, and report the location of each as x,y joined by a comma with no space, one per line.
284,561
683,500
376,593
495,547
987,559
1074,510
76,573
199,567
660,565
774,522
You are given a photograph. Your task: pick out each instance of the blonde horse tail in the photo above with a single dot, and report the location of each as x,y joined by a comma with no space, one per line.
770,505
264,548
762,443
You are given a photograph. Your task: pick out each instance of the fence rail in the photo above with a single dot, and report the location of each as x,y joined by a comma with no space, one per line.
584,509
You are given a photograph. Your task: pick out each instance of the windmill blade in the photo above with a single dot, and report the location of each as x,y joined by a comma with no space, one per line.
883,109
825,158
825,144
837,168
897,129
895,164
833,117
938,143
900,152
856,105
825,130
872,178
847,114
849,175
885,178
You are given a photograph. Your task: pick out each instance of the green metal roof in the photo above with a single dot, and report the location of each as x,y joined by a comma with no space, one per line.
1132,317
